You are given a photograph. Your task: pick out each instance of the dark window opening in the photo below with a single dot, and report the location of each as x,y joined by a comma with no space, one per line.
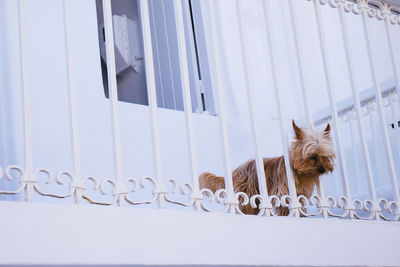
129,59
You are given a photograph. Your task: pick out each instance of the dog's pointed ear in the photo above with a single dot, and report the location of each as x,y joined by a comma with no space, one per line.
327,130
298,131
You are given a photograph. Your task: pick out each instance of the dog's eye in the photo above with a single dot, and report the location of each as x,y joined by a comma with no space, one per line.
314,158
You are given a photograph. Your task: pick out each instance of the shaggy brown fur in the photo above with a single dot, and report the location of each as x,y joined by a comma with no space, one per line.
311,156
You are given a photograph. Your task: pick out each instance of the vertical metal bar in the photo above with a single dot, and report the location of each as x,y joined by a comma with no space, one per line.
78,184
112,87
251,102
183,65
160,74
295,205
370,114
340,152
354,151
220,101
194,54
169,54
151,86
355,94
378,97
300,62
29,178
300,67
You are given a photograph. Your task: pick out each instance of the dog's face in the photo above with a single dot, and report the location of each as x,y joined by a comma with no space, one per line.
312,153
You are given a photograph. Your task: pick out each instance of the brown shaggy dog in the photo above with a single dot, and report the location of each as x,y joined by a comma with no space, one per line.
311,155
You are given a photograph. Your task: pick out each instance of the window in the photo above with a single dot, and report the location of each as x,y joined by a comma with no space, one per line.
131,78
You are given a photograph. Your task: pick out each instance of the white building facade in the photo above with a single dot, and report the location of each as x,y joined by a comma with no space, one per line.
101,145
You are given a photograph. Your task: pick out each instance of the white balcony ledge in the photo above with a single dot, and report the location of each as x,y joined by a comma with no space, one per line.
57,234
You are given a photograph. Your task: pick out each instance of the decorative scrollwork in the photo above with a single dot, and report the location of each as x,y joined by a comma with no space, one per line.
308,203
393,97
30,182
196,199
369,107
348,7
76,186
391,207
348,115
267,204
323,206
349,207
159,191
10,177
390,98
384,11
394,18
386,102
293,206
373,8
231,201
119,191
373,209
335,3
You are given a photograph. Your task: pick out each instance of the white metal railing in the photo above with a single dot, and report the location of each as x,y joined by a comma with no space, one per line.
375,208
291,201
307,108
262,185
231,199
349,208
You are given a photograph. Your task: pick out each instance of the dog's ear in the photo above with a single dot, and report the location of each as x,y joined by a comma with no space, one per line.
327,130
298,131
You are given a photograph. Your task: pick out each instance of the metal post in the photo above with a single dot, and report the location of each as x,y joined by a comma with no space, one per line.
78,184
120,190
265,203
323,205
220,101
29,180
160,190
183,65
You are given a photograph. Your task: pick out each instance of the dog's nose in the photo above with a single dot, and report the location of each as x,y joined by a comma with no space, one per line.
321,169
